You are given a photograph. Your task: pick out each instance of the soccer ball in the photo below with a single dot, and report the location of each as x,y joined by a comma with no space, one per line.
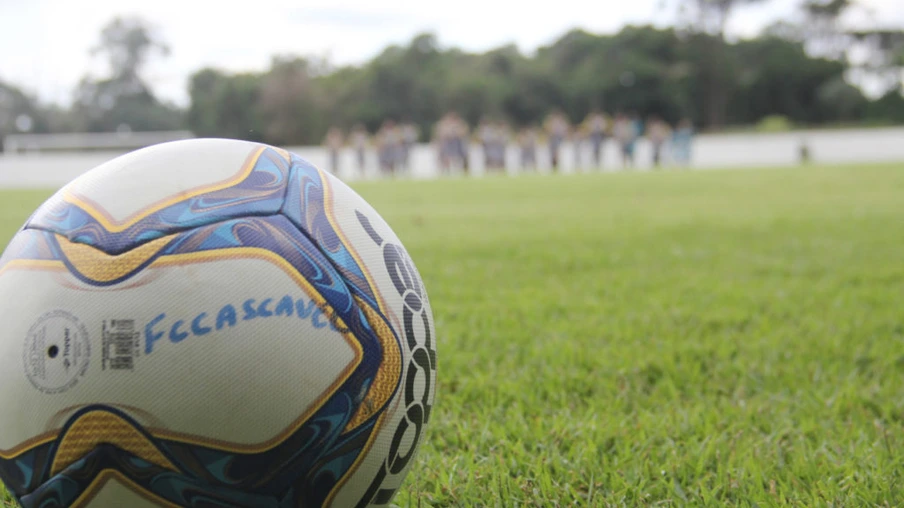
210,322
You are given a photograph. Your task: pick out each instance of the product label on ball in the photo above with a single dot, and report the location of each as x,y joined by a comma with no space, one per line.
121,344
57,351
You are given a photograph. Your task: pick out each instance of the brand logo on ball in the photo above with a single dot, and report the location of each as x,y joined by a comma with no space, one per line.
422,364
57,351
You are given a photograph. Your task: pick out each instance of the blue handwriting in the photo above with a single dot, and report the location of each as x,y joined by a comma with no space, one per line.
230,316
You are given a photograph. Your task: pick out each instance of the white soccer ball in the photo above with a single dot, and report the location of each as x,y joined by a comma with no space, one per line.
210,322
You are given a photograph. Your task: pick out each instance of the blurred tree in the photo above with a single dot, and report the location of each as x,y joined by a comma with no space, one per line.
690,71
884,57
292,106
784,29
709,16
19,113
642,69
822,30
225,105
874,57
839,101
706,20
124,100
128,44
777,77
887,109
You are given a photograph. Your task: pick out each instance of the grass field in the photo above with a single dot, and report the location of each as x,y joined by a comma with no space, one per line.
679,338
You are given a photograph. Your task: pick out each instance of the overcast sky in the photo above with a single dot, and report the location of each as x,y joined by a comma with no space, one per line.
45,44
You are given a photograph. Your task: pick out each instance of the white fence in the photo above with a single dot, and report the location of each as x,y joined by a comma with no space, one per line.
126,140
52,170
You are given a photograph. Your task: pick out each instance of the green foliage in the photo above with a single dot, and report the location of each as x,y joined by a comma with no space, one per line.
222,105
673,73
778,78
884,60
674,338
890,107
641,68
128,44
15,103
123,100
774,123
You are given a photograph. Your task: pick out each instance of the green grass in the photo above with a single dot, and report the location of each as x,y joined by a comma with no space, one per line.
676,338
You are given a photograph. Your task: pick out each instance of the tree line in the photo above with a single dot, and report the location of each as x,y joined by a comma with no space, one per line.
802,72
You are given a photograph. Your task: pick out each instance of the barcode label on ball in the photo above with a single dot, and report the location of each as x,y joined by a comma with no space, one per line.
120,344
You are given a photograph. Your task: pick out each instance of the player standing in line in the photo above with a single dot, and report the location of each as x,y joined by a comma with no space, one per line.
681,142
450,137
578,136
389,145
527,143
409,134
597,126
626,132
658,131
334,142
503,139
485,135
461,141
557,129
359,140
442,144
493,138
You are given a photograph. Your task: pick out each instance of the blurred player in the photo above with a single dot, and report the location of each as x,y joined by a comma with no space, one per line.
359,140
557,130
450,136
597,126
527,144
681,142
334,141
626,133
442,144
658,132
409,134
502,143
485,135
389,147
493,140
461,140
578,137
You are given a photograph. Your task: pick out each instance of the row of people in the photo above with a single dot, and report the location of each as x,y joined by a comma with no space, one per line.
452,138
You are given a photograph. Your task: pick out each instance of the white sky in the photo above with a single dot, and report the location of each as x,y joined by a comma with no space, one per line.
44,44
